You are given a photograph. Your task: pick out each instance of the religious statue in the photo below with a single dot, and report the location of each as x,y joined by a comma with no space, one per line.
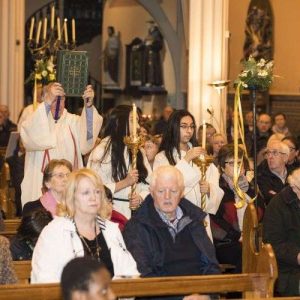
153,45
259,31
111,58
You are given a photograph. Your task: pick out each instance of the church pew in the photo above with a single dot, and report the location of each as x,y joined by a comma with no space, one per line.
23,270
254,284
12,224
8,233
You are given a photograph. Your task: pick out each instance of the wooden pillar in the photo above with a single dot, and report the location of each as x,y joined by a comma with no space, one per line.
208,36
12,20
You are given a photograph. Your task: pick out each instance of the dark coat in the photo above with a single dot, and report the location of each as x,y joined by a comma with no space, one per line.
5,131
269,184
281,228
146,243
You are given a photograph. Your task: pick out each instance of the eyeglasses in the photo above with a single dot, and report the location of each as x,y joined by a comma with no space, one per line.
274,153
61,175
186,127
231,163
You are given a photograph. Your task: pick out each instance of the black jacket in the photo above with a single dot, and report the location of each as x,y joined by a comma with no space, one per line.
281,228
145,241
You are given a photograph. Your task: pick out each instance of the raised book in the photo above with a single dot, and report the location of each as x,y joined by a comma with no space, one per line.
72,71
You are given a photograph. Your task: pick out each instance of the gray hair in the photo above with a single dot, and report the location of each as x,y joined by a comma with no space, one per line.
166,170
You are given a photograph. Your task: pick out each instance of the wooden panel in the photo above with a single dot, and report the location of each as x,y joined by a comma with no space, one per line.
23,270
12,224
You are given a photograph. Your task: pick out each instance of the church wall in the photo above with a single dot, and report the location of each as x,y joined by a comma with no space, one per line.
286,43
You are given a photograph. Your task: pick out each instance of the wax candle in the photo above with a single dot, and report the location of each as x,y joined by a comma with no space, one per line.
66,31
73,30
31,28
45,29
58,29
52,17
38,33
204,135
134,121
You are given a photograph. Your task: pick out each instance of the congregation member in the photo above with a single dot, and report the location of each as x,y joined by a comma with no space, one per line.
281,228
280,124
179,148
81,230
293,162
32,224
44,138
111,160
161,124
218,141
227,223
151,147
6,126
272,172
112,214
248,122
210,131
84,278
263,133
7,273
167,236
55,179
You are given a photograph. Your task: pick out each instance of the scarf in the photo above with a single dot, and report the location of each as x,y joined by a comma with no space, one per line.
49,202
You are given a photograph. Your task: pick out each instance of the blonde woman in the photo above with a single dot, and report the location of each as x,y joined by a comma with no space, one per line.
81,230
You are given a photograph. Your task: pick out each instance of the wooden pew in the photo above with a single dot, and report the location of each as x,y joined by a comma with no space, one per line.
23,270
12,224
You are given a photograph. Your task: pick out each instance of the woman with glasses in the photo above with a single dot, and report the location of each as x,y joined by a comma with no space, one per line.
293,162
55,179
111,160
81,229
227,223
179,148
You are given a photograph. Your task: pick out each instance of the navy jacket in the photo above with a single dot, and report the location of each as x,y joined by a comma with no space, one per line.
145,241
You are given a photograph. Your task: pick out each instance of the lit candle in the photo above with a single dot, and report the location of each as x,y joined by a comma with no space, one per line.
58,29
73,30
45,29
204,135
31,28
134,121
65,31
52,17
38,33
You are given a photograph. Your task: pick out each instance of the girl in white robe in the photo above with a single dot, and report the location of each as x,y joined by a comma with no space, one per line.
111,159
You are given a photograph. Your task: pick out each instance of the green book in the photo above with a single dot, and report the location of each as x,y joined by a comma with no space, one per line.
72,71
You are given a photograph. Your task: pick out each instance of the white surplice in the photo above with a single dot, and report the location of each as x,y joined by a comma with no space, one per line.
44,139
105,172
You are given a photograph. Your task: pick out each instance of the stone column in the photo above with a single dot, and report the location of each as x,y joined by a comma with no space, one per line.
208,36
12,20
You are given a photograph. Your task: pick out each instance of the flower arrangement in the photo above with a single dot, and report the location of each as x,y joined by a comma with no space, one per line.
256,74
44,72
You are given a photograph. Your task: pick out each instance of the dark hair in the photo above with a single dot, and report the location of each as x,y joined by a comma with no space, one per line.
293,140
77,275
227,152
117,127
32,225
108,193
171,136
48,171
280,114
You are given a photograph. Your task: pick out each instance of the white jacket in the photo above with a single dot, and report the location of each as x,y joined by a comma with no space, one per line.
59,243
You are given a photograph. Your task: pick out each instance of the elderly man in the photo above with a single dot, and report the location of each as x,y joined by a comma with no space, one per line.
6,125
167,236
264,123
281,228
272,172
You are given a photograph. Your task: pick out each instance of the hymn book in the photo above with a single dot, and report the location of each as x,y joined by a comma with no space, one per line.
72,71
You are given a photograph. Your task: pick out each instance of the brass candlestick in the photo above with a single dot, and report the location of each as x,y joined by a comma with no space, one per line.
134,144
203,162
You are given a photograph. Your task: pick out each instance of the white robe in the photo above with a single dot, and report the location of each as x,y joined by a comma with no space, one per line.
27,111
192,176
39,132
105,172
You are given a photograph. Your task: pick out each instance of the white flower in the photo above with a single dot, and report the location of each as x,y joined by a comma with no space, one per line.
244,74
262,73
261,63
270,65
245,85
44,73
